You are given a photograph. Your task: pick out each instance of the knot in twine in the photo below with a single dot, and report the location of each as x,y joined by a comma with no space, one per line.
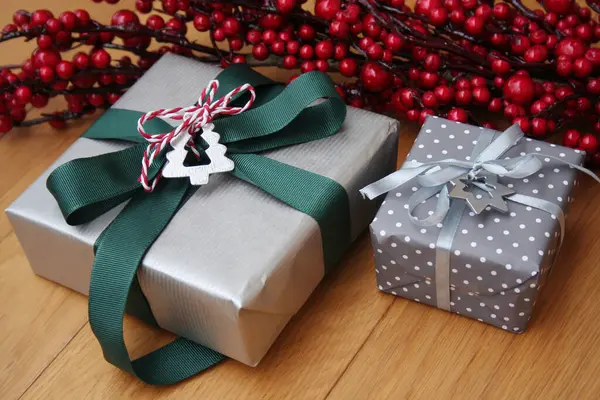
193,119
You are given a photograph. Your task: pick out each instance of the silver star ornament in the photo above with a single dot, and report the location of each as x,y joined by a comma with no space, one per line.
478,202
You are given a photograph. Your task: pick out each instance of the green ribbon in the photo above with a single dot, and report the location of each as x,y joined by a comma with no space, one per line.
88,187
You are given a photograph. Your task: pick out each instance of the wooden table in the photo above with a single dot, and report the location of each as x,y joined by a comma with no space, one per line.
348,342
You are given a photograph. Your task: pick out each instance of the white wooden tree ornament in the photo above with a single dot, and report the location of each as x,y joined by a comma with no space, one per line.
198,174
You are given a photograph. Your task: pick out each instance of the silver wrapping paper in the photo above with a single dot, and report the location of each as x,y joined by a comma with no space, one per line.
235,264
498,262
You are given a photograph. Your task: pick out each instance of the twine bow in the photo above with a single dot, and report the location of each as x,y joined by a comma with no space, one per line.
193,118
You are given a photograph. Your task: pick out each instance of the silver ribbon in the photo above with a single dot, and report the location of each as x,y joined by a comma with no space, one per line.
435,177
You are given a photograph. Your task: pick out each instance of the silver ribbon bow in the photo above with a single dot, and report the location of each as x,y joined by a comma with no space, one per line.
474,183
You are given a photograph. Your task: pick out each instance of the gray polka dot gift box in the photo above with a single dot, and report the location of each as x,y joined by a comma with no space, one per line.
473,220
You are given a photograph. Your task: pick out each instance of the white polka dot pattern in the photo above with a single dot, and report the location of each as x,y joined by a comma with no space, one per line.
498,261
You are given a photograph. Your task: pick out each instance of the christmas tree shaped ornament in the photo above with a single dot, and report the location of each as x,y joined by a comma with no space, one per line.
199,174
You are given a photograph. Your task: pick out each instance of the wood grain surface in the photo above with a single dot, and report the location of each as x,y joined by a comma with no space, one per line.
348,342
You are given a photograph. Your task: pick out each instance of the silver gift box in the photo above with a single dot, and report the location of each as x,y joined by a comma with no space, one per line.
499,262
234,265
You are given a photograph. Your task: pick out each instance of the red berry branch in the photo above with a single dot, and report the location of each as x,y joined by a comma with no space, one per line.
460,59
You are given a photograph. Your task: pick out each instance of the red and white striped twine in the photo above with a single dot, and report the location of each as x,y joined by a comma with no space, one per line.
194,118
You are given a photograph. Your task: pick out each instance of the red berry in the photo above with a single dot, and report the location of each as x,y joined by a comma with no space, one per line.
523,123
322,65
537,53
81,60
39,17
292,47
500,67
125,18
68,20
106,79
339,29
327,9
571,138
348,67
374,77
593,55
444,94
101,58
432,62
407,97
96,99
495,105
478,81
202,24
438,16
570,47
285,6
143,6
481,95
458,114
156,22
239,59
49,58
351,14
260,52
474,25
46,73
539,127
23,94
6,123
306,52
589,143
278,47
424,114
413,115
324,49
57,123
425,7
307,66
397,103
231,26
113,97
21,17
564,67
593,86
560,7
269,36
372,29
219,34
582,67
39,100
429,100
375,52
519,90
306,32
45,42
340,51
177,25
53,25
520,44
563,92
269,21
428,80
365,42
501,11
65,69
289,62
463,97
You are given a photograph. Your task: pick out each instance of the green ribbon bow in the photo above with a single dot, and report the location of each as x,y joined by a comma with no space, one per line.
88,187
